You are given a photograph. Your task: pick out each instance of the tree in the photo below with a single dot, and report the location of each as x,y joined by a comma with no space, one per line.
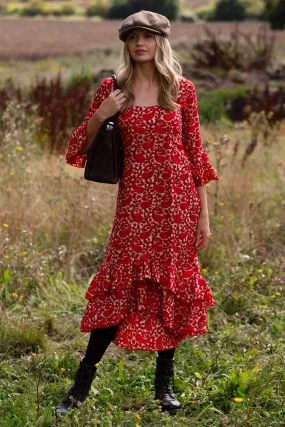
275,13
229,10
120,9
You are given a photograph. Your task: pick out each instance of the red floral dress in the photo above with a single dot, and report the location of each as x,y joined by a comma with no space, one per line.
150,281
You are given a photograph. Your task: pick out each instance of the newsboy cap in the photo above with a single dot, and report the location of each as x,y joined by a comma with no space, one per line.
145,20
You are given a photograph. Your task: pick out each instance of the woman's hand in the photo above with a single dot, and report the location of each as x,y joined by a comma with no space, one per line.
203,232
111,105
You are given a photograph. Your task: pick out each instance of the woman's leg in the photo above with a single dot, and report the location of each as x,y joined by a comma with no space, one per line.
167,354
163,376
99,340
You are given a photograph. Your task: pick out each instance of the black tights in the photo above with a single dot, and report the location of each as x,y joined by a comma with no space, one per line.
99,340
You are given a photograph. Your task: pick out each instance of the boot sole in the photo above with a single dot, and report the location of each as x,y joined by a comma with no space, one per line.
171,411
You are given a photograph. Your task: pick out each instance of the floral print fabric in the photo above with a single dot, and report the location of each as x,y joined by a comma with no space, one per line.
150,281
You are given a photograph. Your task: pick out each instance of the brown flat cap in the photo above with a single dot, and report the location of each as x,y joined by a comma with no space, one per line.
145,20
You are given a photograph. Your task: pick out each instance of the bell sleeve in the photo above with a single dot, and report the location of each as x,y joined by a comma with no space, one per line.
202,170
78,137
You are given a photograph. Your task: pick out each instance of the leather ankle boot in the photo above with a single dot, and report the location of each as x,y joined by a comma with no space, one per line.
79,390
163,390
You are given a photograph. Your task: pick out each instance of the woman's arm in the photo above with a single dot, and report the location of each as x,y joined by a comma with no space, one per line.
105,104
202,170
75,154
203,226
92,128
109,106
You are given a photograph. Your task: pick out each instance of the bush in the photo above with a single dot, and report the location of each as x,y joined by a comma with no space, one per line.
275,13
96,8
215,105
205,12
240,51
210,112
12,9
189,16
34,8
120,9
68,10
254,10
229,10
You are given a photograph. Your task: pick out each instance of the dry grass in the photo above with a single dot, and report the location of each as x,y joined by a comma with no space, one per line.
64,212
40,38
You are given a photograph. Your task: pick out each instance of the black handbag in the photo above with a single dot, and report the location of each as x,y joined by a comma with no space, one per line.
105,158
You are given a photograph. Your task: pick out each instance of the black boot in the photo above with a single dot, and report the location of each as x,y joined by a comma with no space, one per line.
163,390
79,390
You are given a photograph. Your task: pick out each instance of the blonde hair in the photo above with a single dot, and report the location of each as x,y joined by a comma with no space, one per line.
168,72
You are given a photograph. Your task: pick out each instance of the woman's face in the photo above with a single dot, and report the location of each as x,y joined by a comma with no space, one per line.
141,45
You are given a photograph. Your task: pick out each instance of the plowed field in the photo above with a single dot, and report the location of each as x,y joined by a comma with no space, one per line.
38,38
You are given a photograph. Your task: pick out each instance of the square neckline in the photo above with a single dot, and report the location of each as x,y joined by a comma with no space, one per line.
145,106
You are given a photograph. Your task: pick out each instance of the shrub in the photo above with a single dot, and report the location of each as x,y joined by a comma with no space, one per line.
254,10
275,13
229,10
205,12
215,105
59,107
12,9
241,51
189,16
34,8
68,10
210,112
97,8
120,9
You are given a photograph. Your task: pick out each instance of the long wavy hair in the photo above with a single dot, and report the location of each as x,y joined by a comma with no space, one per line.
168,71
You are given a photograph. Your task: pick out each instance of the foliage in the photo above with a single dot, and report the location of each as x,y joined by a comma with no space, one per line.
209,111
205,12
59,108
238,103
275,12
268,100
120,9
11,9
65,10
229,10
241,51
188,16
252,11
97,8
34,8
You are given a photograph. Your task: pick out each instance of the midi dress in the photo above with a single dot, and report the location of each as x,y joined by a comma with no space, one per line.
149,282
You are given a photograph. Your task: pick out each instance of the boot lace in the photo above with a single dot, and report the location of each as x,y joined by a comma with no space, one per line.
164,374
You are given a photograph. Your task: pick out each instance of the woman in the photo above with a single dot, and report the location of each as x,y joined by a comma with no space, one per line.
149,293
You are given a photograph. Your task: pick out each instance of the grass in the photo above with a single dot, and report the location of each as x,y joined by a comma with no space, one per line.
239,357
25,72
53,241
